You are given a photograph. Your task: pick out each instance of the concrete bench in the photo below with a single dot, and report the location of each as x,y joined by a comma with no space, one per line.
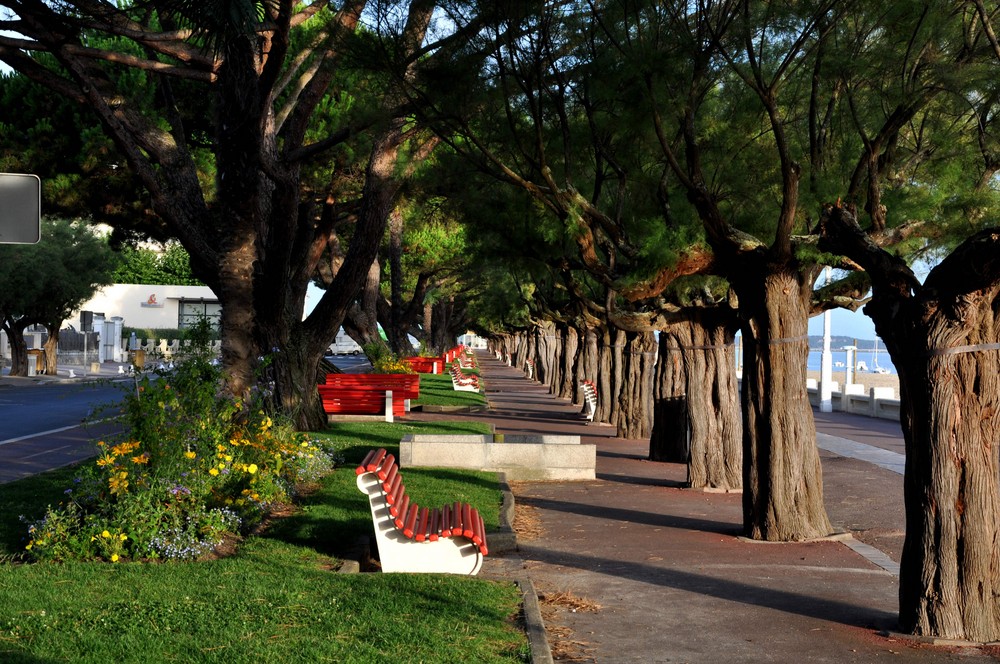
410,538
369,394
589,399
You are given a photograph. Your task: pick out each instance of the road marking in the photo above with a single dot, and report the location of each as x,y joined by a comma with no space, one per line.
55,449
37,435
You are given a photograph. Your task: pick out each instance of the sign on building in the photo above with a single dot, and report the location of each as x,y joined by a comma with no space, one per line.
20,208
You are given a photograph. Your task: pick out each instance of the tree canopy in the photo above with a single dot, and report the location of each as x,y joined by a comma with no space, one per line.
45,283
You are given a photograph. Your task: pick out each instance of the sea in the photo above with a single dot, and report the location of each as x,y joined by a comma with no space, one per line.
870,359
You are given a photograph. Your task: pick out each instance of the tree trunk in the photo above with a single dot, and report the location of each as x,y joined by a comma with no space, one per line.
361,321
51,347
635,418
782,481
944,338
18,348
570,380
716,453
950,569
590,369
668,440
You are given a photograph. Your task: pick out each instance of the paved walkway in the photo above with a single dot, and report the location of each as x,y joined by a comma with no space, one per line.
673,580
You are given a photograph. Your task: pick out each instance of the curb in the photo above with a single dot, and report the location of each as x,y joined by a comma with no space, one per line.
534,627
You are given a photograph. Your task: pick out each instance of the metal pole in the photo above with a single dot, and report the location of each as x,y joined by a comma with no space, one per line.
826,361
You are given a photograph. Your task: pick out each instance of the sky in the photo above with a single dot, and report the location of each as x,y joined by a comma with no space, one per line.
844,323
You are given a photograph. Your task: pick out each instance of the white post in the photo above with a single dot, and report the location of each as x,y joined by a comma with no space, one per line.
388,406
849,369
826,362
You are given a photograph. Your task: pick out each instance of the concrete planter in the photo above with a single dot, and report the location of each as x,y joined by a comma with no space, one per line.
521,457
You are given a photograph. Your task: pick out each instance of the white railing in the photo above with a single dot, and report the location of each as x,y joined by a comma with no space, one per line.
879,402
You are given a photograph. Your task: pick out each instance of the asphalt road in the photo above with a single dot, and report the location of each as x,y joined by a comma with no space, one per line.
50,426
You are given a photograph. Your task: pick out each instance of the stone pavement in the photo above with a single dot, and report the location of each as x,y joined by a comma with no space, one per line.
632,567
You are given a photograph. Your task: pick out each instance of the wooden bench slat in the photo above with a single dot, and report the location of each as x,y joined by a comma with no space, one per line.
373,464
434,532
456,519
467,530
390,477
410,524
395,490
364,464
404,505
387,463
446,521
420,533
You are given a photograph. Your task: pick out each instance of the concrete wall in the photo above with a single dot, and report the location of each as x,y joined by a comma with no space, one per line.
879,402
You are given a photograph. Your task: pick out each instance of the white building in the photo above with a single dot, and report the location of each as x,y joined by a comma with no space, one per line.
153,306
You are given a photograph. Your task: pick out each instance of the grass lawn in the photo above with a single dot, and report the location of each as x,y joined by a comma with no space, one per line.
276,599
437,390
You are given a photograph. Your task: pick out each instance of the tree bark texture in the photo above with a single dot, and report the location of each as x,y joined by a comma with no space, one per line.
782,481
716,452
568,388
51,347
950,567
634,398
18,348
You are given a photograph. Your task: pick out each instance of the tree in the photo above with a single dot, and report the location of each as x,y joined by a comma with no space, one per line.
144,265
45,283
943,337
253,194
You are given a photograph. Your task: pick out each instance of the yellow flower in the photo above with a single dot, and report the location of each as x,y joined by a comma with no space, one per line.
213,472
142,458
123,537
105,460
118,483
29,546
190,455
114,557
252,468
105,534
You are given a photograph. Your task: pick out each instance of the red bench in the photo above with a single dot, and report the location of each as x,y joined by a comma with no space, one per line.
410,538
432,365
369,394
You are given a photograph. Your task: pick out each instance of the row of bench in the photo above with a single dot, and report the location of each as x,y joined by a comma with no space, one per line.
390,394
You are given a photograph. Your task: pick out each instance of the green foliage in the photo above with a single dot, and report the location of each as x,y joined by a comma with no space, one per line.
192,466
47,281
140,265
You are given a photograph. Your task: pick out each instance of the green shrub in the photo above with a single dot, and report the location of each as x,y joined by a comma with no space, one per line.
192,466
384,361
